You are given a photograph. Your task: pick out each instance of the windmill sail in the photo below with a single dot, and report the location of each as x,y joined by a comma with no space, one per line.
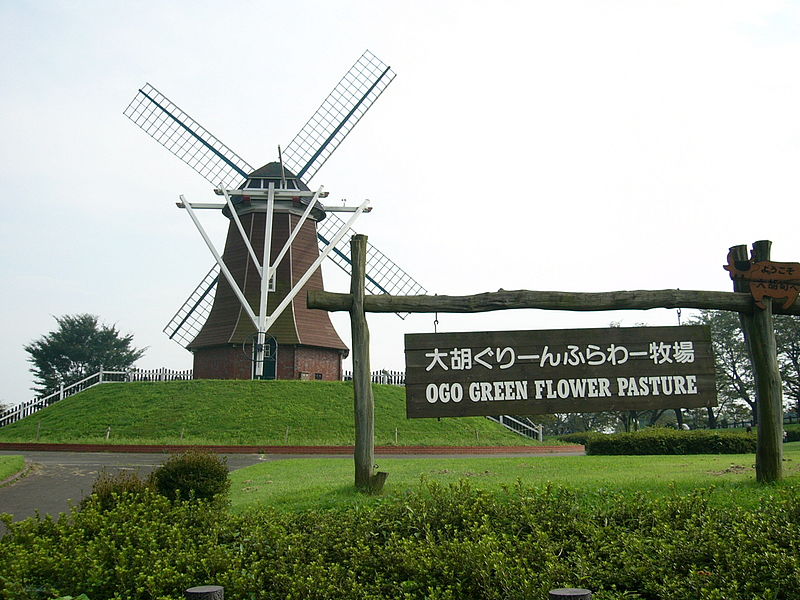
337,115
383,275
162,120
187,322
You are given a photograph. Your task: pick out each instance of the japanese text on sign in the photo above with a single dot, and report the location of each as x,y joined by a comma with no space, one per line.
533,372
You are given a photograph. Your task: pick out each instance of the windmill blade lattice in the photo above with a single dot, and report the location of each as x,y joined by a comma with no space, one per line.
383,275
338,114
192,315
185,138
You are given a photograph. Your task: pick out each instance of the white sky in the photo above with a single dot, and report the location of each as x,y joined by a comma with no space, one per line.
558,145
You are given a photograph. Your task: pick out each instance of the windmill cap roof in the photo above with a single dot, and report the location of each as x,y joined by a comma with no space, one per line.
272,171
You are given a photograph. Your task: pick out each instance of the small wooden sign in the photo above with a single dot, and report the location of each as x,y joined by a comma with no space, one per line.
557,371
768,279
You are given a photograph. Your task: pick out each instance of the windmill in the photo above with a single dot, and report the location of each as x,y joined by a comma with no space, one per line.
272,208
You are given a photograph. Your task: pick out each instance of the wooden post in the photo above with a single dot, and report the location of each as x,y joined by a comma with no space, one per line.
366,477
570,594
205,592
759,334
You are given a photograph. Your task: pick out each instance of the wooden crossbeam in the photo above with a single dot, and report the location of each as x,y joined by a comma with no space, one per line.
545,300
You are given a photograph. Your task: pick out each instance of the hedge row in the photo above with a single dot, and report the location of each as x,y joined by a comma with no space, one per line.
441,543
792,433
673,441
579,437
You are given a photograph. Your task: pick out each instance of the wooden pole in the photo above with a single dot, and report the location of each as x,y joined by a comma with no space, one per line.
205,592
759,334
570,594
366,477
545,300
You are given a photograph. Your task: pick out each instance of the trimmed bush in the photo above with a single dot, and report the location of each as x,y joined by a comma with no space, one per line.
579,437
659,440
442,543
109,488
792,433
192,474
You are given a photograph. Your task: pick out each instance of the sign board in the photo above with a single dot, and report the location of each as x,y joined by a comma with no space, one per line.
557,371
768,279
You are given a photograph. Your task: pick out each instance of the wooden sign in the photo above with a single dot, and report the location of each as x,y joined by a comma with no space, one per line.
557,371
768,279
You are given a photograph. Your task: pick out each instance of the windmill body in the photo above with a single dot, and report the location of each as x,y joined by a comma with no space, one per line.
271,208
305,343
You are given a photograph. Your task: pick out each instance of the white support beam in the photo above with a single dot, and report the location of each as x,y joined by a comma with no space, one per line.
345,209
294,233
245,239
325,251
280,193
265,272
202,205
224,269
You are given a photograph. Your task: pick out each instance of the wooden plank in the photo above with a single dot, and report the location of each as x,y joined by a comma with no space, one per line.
546,300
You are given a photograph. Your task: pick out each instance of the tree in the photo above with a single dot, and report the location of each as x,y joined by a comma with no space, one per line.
79,347
734,371
787,338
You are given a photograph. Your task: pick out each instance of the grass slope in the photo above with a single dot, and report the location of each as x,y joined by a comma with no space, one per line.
299,484
243,412
10,465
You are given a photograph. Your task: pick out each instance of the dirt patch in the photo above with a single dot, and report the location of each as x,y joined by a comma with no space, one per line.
732,470
464,474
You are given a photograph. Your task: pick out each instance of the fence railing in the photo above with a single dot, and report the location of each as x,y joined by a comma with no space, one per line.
529,430
382,376
534,432
25,409
159,375
20,411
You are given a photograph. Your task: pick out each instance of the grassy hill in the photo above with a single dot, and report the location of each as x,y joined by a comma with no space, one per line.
243,412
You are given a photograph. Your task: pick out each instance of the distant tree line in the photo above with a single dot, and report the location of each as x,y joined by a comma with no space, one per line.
736,394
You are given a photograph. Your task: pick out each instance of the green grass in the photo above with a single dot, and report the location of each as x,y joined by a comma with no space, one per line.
10,465
245,413
298,484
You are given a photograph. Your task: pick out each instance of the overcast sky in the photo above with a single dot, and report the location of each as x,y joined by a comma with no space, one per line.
559,145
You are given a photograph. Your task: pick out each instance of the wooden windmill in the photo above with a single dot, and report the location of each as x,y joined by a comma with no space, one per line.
272,212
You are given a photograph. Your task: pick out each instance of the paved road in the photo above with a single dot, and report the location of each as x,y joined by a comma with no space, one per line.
57,480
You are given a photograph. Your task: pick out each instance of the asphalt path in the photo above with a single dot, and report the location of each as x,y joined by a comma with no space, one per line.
57,480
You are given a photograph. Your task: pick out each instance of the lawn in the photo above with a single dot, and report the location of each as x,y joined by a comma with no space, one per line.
269,413
295,484
10,465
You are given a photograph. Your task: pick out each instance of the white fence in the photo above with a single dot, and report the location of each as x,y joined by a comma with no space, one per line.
158,375
20,411
535,432
382,376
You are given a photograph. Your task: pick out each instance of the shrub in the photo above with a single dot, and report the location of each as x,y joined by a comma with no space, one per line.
440,542
109,488
192,474
670,441
579,437
792,433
